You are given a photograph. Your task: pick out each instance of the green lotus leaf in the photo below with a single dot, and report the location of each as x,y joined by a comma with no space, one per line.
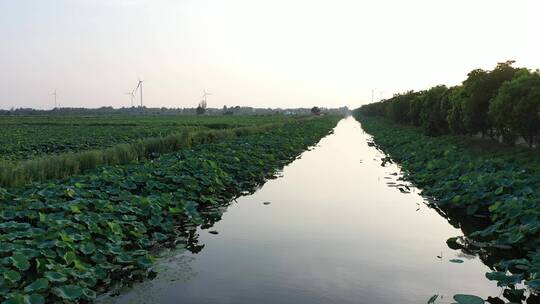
87,248
144,261
70,257
55,276
12,276
534,284
89,294
34,299
37,285
20,262
468,299
160,237
69,292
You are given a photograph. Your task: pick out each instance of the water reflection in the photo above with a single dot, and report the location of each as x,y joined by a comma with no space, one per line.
340,229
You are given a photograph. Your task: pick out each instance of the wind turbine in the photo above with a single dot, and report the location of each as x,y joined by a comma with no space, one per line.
203,101
54,94
132,97
138,87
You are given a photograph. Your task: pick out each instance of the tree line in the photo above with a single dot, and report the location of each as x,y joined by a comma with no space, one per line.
500,103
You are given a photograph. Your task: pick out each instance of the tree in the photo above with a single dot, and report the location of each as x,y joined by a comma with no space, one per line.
432,114
415,107
316,111
455,100
515,108
397,107
479,89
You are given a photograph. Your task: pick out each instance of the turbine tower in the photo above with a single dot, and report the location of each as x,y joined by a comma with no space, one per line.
138,87
131,96
203,101
55,102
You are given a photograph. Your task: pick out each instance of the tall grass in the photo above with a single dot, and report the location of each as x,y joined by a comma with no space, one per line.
15,174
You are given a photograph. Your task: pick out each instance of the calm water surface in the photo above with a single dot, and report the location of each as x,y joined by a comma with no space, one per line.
337,231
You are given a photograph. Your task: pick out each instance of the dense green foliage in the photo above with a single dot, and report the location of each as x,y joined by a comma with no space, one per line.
502,102
496,182
25,137
14,174
515,109
70,239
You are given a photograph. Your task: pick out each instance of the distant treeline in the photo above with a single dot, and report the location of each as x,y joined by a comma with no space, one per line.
236,110
503,103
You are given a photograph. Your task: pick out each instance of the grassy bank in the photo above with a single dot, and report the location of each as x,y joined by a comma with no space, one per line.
69,240
481,179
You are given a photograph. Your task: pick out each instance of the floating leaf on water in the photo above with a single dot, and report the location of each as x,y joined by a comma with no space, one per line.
459,261
432,299
468,299
453,243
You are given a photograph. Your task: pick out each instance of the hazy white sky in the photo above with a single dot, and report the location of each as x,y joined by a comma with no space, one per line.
276,53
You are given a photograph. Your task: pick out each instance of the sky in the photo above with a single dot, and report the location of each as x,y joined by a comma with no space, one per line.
276,53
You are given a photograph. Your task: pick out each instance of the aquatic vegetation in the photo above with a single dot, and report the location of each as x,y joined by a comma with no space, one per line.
495,183
69,240
54,166
27,137
468,299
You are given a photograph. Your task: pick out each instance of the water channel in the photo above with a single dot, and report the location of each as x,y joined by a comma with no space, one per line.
333,228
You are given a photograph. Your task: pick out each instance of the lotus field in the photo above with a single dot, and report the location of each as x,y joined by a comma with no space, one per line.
70,237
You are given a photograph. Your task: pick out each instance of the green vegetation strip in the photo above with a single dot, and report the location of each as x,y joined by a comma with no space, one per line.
28,137
14,174
68,240
490,184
